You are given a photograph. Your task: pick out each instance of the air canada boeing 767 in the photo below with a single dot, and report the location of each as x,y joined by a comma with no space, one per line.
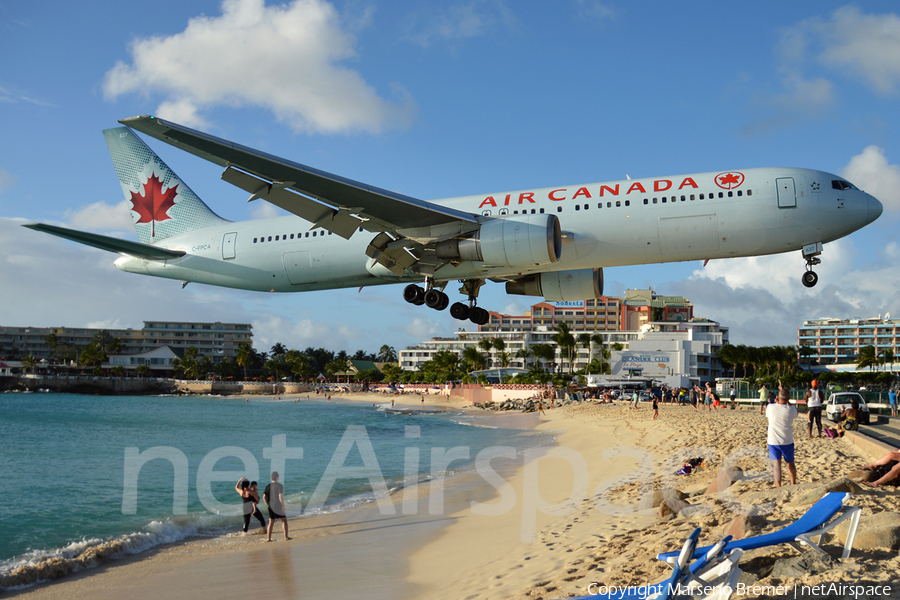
549,242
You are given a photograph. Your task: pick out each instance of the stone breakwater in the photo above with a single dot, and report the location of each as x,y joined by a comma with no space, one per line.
527,404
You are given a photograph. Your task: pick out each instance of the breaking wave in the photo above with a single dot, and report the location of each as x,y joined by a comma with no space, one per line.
38,566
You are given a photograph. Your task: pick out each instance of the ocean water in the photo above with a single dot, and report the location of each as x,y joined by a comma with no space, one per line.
76,496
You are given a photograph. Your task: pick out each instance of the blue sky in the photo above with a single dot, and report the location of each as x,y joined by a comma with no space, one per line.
439,99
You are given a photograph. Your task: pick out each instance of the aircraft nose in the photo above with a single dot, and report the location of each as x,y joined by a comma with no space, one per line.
875,208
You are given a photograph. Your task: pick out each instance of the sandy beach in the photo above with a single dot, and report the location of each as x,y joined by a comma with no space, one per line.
576,513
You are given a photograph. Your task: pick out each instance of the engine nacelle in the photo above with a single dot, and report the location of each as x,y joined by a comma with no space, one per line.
559,286
512,241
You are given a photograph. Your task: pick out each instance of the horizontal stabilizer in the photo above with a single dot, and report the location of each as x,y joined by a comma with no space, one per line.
110,244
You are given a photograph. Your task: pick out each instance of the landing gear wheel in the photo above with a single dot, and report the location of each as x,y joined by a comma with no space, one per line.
436,299
414,294
478,315
459,311
445,302
810,279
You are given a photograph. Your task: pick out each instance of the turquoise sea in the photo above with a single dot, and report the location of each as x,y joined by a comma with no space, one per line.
65,467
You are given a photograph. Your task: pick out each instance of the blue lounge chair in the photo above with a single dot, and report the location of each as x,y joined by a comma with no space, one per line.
816,522
713,570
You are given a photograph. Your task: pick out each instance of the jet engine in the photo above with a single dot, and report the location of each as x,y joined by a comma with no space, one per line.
511,241
559,286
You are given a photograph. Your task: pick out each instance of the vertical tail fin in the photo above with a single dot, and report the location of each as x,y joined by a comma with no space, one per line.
161,204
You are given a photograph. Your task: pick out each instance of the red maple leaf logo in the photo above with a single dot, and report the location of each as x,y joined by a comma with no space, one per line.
153,205
729,181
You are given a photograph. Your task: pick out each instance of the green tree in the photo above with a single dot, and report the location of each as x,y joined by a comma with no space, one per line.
867,358
30,363
245,357
486,344
387,354
473,360
566,342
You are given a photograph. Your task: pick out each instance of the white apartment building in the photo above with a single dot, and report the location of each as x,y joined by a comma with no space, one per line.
661,348
665,350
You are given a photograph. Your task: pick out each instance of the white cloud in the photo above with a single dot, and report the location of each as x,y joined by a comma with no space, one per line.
460,21
870,171
424,329
266,210
762,300
100,216
593,9
864,46
286,58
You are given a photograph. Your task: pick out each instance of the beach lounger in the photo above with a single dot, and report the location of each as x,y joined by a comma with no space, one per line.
715,571
816,522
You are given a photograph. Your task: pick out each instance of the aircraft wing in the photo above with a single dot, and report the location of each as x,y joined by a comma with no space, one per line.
327,200
109,244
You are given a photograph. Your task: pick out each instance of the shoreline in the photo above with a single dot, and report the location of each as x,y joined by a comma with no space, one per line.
607,531
306,530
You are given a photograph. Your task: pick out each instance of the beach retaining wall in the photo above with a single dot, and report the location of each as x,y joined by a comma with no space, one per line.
874,448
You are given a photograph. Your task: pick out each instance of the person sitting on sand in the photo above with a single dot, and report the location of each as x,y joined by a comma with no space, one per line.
849,418
889,464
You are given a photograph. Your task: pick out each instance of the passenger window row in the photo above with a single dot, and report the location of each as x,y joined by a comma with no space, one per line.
285,237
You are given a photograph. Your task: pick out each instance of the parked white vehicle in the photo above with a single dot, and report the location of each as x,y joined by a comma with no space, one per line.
838,401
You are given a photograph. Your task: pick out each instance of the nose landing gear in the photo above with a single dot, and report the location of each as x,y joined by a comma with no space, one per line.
811,254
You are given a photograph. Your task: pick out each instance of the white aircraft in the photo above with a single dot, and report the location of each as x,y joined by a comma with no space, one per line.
550,242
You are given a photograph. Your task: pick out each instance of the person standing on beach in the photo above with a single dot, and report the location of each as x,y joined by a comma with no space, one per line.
655,407
892,398
248,494
763,399
780,436
814,398
274,497
733,398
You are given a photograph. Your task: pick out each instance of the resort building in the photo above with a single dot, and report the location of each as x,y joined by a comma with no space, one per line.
837,341
215,340
656,326
606,313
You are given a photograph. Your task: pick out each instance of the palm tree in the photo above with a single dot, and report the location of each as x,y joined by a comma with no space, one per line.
387,354
524,353
544,352
565,340
866,358
804,352
473,359
245,357
887,358
277,350
30,363
486,344
500,346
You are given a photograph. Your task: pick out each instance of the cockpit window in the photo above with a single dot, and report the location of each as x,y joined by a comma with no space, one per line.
840,184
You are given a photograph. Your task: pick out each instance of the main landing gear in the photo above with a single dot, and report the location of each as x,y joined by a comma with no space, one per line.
438,300
811,255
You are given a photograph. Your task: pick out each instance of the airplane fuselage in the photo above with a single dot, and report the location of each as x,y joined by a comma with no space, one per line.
641,221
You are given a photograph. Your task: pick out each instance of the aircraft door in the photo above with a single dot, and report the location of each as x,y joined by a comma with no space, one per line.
228,245
787,192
